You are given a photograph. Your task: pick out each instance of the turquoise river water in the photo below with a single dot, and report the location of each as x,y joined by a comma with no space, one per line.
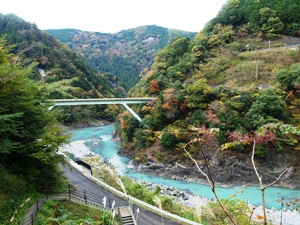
109,148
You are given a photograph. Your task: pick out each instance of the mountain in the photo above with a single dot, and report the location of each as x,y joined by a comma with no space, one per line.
231,90
63,72
124,56
265,17
219,93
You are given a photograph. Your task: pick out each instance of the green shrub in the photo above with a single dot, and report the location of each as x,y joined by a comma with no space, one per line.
261,151
66,212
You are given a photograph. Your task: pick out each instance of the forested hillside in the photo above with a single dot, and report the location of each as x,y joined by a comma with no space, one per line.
229,83
57,67
125,56
264,17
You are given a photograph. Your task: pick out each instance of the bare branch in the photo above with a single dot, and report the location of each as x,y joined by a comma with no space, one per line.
284,172
196,164
253,163
262,188
208,176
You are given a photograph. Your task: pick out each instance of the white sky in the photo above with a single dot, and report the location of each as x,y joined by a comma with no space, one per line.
111,16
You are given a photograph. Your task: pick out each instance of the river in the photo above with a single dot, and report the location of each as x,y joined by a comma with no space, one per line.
100,140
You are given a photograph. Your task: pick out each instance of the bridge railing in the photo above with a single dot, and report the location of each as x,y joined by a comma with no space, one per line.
102,101
144,99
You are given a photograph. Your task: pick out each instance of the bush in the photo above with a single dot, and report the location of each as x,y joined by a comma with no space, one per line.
13,192
261,151
267,107
168,140
66,212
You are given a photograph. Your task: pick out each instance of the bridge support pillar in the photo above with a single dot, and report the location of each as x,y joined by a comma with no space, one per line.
132,112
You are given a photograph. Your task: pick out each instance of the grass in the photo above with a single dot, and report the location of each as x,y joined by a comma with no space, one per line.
14,191
56,212
247,69
23,207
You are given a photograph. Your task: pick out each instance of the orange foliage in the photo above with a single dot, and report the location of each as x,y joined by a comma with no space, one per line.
166,106
174,102
154,86
123,122
259,217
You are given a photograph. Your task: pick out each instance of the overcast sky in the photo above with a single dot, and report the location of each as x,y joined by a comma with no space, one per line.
111,16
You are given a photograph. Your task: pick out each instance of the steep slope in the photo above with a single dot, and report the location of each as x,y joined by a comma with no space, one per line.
122,56
267,18
216,82
62,71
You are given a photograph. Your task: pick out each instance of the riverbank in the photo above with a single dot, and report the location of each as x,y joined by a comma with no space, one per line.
96,123
226,168
79,150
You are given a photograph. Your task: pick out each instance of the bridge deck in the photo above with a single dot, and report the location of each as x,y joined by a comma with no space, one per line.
102,101
90,101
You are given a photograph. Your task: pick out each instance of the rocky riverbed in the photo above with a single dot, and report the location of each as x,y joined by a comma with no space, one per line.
227,169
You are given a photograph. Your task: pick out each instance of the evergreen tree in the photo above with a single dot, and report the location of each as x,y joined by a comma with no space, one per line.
29,137
267,108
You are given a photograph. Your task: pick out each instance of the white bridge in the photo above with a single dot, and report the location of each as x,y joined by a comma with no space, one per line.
102,101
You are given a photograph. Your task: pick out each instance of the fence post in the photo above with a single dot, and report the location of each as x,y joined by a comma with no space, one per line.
85,197
37,205
31,219
69,193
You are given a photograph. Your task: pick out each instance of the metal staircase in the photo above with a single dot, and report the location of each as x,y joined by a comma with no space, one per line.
125,215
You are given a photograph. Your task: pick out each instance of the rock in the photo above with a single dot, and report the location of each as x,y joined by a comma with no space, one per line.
228,168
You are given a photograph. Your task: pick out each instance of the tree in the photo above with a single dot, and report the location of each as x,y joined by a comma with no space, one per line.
168,140
154,86
198,94
265,14
289,78
268,107
204,136
29,135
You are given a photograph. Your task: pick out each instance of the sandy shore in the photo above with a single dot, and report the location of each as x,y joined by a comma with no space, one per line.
77,148
288,217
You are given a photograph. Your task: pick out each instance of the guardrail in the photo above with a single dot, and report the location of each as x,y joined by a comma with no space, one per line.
145,205
136,201
129,199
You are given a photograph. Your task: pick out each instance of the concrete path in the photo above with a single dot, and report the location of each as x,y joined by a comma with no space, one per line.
145,217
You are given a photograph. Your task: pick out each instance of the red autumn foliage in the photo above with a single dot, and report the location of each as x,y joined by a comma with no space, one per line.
212,117
265,138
